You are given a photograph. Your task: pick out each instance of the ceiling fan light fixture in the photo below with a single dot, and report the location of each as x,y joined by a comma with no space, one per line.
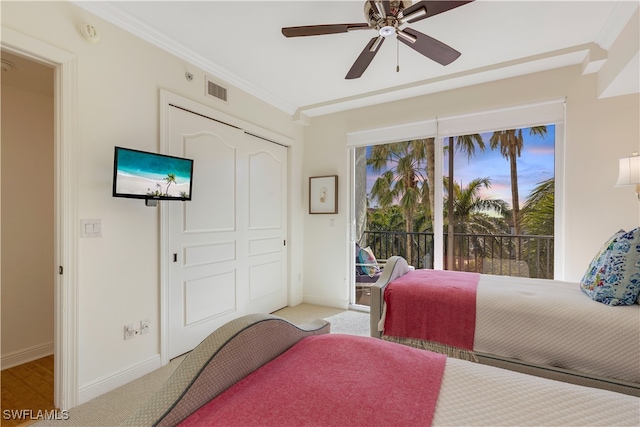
407,37
387,31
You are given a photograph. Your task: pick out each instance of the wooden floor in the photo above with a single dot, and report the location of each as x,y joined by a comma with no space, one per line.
27,387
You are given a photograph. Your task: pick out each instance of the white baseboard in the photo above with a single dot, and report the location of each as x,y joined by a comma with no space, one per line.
23,356
101,386
326,302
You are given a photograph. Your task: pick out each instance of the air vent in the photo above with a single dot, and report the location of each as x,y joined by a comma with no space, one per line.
215,90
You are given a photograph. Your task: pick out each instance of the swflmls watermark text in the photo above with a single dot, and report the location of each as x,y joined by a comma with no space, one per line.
32,414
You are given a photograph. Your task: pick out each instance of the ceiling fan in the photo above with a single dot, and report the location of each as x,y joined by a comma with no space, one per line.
387,18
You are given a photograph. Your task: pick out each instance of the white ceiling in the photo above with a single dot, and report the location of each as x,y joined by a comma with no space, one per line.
240,42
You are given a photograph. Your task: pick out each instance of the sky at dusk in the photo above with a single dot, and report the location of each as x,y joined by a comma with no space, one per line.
536,164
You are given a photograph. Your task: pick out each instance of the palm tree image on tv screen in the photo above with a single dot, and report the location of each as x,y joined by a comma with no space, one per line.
148,175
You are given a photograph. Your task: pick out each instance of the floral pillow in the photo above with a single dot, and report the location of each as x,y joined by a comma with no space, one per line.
613,277
366,257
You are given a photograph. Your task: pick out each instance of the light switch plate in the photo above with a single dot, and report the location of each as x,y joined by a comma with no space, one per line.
91,228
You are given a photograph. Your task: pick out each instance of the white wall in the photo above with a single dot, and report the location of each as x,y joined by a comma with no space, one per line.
598,132
118,83
27,224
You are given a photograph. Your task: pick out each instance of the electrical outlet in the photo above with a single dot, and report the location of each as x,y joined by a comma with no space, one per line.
145,325
130,331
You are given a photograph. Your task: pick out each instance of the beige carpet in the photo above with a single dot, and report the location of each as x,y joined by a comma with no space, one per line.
114,407
350,322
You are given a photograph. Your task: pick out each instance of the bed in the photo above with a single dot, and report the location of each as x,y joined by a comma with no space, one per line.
542,327
263,370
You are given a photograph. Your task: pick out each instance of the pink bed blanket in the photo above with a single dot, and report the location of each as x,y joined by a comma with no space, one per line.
333,380
433,305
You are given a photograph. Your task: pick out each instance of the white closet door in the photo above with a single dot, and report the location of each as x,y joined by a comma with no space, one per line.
267,226
218,246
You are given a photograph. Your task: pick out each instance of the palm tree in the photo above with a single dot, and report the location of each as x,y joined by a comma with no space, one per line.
538,219
467,203
390,218
361,202
537,214
171,179
510,143
471,215
403,181
430,145
465,143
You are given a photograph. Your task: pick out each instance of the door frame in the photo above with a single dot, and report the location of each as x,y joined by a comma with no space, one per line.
65,268
167,99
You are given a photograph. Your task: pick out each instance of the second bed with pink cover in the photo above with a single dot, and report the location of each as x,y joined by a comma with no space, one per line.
546,327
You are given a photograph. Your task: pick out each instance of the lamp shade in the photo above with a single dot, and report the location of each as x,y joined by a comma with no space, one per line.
629,172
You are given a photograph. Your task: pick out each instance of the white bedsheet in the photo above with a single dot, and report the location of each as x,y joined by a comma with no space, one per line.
554,323
479,395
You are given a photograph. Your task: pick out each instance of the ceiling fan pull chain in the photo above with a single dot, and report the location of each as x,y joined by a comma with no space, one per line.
397,55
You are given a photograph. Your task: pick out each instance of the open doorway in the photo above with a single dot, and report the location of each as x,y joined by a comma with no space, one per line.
28,233
64,267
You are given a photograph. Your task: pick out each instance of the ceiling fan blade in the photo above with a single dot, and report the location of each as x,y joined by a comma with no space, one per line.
318,30
365,58
386,6
424,9
428,46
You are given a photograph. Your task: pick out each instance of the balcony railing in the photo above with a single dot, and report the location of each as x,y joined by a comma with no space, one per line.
503,254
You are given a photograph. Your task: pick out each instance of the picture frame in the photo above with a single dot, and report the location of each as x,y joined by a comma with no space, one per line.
323,194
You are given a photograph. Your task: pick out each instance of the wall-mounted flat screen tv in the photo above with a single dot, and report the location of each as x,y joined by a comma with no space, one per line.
142,175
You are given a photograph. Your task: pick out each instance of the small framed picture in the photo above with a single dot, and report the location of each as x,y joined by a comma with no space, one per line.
323,194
